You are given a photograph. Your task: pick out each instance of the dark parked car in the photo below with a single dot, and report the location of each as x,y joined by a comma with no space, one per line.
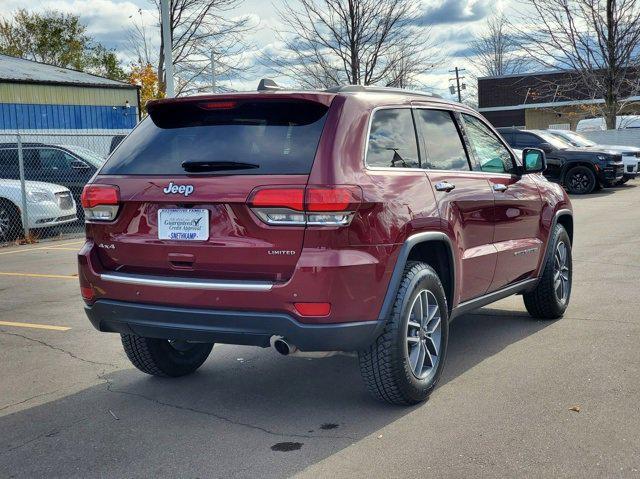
630,154
581,170
70,166
354,219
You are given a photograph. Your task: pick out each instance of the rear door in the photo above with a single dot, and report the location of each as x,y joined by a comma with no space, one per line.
231,148
465,200
518,206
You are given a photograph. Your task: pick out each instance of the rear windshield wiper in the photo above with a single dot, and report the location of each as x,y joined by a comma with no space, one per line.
208,165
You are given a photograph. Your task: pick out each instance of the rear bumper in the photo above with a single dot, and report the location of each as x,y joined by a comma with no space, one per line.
353,281
231,327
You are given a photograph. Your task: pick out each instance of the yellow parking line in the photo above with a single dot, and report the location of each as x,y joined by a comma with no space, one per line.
36,275
34,326
27,250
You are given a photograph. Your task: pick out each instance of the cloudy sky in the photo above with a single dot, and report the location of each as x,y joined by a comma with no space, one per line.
452,23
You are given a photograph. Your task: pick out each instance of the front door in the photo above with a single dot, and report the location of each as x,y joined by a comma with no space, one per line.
517,206
465,200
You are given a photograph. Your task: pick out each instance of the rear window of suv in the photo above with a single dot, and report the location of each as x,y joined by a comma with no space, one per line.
278,137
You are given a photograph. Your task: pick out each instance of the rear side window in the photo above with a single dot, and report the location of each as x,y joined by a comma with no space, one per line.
277,137
392,140
444,148
9,157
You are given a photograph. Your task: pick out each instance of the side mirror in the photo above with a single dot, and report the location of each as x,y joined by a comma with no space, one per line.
533,160
546,147
79,165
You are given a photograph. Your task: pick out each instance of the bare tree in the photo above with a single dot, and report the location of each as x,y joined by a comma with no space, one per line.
199,30
358,42
495,51
597,41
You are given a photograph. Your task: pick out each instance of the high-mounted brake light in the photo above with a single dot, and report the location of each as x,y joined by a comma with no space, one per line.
313,205
100,202
218,105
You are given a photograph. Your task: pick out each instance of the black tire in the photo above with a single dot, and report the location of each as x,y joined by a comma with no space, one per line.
544,302
10,221
159,357
580,180
622,181
385,365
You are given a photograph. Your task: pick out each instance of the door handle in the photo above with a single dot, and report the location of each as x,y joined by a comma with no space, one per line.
500,187
445,186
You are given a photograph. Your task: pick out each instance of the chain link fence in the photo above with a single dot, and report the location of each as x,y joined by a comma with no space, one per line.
41,179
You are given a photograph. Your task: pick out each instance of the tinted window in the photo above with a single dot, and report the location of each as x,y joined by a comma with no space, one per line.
8,157
31,157
508,136
527,140
492,155
392,141
51,159
444,148
280,137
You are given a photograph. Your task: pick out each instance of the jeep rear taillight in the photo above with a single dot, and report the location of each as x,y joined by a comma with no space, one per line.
100,202
299,206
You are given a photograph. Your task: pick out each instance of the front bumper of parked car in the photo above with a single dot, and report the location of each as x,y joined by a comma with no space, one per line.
49,213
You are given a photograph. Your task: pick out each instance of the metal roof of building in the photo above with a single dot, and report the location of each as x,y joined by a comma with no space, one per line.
26,71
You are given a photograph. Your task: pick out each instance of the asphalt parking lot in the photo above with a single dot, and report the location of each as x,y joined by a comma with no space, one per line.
71,405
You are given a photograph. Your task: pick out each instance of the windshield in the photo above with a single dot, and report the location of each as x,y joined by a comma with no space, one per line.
86,154
574,138
554,140
275,137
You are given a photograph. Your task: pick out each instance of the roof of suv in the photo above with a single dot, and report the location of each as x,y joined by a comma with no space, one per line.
321,96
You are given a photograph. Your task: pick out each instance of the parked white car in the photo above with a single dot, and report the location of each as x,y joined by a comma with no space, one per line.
598,124
47,205
630,154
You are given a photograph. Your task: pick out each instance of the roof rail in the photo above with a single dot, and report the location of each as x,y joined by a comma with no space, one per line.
378,89
267,84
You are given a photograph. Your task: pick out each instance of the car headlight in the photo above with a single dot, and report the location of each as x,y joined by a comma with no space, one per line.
38,196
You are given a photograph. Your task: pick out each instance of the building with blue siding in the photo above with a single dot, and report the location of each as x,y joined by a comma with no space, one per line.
37,96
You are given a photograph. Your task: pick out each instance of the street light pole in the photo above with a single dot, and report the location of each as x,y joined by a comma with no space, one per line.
167,47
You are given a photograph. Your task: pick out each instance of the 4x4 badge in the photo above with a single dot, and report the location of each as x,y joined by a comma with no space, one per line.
172,189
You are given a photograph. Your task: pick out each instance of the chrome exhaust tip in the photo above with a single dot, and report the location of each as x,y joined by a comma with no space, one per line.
282,346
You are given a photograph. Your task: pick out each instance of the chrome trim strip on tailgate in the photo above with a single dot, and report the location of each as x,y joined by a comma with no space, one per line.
173,282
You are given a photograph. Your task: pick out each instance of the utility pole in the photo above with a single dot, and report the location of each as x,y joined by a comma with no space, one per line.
165,14
213,71
457,88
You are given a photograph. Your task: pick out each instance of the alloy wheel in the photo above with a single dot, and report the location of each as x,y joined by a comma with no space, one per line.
424,335
561,273
579,182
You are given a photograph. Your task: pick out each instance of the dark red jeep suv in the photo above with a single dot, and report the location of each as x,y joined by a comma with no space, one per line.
355,219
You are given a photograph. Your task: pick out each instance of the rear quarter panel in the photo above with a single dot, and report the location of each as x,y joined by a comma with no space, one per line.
554,199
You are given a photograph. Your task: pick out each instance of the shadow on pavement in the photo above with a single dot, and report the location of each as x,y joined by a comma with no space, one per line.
224,420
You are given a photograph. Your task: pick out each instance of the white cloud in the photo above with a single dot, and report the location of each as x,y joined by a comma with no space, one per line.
108,21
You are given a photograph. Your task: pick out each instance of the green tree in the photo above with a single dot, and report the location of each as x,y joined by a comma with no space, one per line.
59,39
